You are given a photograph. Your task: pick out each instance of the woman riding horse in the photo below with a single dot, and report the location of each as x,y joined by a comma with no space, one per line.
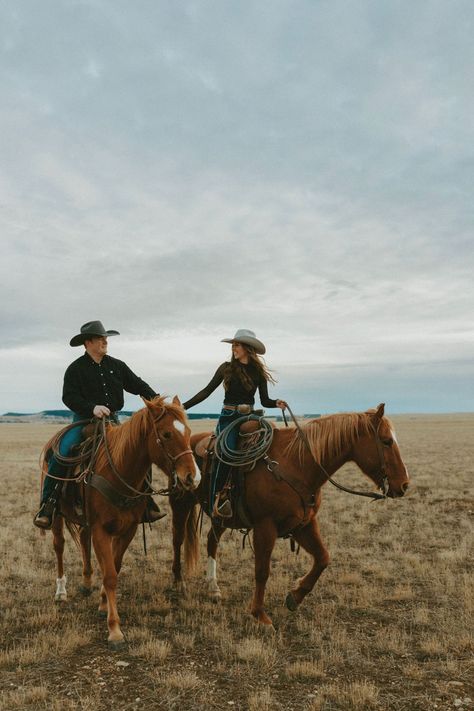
245,372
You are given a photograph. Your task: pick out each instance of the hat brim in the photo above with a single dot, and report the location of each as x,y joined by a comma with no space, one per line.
247,341
82,337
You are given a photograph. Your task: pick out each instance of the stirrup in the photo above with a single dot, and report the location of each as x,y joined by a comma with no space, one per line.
45,516
222,506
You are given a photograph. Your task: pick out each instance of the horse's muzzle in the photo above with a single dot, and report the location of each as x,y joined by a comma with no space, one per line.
399,493
188,482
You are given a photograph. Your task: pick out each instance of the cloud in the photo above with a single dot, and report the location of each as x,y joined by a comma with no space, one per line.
296,168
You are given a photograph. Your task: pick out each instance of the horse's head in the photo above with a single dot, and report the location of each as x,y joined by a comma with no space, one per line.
376,452
169,442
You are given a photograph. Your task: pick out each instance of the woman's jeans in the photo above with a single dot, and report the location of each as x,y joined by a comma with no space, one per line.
221,471
68,441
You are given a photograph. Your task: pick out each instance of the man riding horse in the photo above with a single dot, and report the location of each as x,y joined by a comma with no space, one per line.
93,387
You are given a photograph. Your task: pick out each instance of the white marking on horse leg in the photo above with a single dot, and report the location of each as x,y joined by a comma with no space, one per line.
211,572
180,426
61,592
211,577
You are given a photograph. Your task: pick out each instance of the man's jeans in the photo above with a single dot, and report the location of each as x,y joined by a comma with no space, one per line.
71,438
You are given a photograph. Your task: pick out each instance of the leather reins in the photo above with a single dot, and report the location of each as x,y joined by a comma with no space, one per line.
383,484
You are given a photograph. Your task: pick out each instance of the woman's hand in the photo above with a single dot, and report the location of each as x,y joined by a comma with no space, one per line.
282,404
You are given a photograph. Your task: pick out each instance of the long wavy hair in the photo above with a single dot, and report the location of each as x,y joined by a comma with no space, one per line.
235,369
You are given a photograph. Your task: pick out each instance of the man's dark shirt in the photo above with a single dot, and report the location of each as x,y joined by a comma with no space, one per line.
87,384
236,393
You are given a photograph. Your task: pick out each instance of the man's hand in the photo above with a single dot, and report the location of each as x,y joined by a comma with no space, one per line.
281,404
101,411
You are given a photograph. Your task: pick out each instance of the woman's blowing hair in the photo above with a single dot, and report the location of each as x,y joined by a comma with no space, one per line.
234,368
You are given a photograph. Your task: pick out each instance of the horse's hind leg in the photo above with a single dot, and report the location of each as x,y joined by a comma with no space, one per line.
58,543
309,538
85,538
213,538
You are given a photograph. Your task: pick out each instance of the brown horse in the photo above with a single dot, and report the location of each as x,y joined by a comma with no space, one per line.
287,500
159,434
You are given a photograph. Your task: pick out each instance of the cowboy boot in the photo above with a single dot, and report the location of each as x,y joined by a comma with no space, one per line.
152,511
45,516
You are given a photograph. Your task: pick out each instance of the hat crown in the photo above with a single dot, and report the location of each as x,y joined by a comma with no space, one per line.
93,327
244,333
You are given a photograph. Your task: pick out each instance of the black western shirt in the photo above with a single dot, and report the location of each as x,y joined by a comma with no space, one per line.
87,384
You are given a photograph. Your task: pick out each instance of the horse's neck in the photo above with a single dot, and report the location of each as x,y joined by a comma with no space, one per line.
131,459
314,472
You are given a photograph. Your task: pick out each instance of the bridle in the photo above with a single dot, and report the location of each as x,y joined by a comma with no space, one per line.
382,484
175,482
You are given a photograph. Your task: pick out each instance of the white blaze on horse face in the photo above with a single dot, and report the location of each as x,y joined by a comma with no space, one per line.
180,426
211,573
197,473
394,437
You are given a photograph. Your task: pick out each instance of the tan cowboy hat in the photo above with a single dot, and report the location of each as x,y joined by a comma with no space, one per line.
89,330
248,338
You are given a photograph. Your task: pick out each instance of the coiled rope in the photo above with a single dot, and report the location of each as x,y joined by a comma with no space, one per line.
241,458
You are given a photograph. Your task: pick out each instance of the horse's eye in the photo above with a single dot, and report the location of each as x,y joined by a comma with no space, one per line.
167,435
387,442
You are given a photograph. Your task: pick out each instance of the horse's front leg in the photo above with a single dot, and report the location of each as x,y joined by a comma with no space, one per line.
264,537
58,543
213,538
103,549
181,508
120,545
85,539
309,538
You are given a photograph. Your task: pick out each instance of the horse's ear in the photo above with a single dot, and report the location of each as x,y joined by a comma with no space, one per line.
379,412
176,401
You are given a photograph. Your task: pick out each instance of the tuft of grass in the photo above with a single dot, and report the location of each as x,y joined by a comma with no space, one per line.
261,700
305,669
153,650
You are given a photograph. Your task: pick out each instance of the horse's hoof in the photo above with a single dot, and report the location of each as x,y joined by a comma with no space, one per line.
215,597
291,603
180,588
60,597
116,644
85,591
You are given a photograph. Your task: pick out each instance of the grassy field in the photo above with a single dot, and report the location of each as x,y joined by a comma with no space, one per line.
389,625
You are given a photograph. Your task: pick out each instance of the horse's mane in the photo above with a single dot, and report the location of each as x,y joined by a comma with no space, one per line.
123,438
328,436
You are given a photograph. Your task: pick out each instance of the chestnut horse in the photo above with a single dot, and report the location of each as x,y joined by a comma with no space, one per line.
280,505
159,434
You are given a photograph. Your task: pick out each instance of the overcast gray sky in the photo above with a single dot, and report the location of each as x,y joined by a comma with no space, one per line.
180,170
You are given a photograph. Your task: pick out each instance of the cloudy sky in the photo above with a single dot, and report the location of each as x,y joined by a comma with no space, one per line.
180,170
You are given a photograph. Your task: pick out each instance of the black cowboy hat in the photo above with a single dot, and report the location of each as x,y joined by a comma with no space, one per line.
90,330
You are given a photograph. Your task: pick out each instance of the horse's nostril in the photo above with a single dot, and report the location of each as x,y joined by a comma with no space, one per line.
405,486
190,480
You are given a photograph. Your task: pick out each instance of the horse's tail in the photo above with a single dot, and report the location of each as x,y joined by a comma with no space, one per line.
75,530
191,540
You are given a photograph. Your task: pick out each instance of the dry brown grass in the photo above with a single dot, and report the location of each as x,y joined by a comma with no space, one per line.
389,625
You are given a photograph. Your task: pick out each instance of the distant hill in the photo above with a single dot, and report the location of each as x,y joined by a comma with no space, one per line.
66,416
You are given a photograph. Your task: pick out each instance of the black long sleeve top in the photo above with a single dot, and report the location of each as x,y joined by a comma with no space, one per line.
87,384
236,394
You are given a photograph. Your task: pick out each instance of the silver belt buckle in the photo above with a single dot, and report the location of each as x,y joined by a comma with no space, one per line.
244,409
